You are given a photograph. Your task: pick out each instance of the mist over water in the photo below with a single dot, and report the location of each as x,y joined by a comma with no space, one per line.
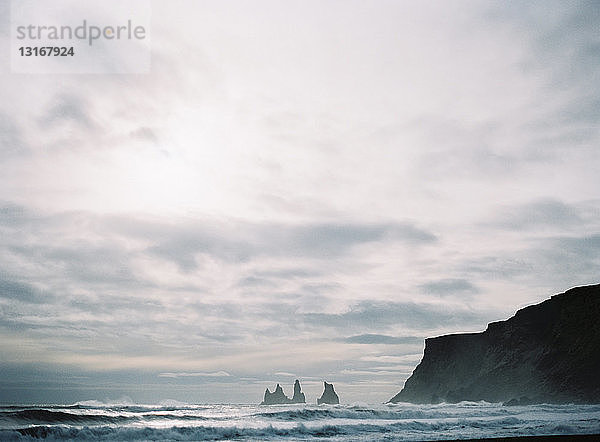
171,420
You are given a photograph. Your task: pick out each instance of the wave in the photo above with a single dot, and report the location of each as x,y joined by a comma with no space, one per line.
306,422
363,413
134,408
174,433
409,430
40,415
128,402
309,414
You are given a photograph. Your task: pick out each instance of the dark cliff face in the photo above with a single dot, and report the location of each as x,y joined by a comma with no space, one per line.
549,352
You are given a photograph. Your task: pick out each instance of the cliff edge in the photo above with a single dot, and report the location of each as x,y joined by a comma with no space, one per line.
548,352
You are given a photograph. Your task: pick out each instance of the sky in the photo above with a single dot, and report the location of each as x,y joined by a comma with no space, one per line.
295,190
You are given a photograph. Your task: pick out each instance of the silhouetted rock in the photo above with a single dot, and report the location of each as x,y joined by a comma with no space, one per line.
549,352
277,397
298,397
329,395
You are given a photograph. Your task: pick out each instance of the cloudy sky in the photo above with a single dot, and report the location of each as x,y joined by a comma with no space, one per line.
297,189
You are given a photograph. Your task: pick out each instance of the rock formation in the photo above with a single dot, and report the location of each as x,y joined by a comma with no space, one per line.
549,352
329,395
277,397
298,397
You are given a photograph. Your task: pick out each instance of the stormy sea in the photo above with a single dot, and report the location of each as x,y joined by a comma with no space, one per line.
356,422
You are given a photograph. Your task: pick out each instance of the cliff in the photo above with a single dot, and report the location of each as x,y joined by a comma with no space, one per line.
329,395
549,352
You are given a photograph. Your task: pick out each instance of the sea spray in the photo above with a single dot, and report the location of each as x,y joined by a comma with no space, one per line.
178,421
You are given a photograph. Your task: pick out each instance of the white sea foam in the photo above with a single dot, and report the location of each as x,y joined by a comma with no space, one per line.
357,422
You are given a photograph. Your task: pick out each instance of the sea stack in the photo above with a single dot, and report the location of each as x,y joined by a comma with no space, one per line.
545,353
277,397
298,397
329,395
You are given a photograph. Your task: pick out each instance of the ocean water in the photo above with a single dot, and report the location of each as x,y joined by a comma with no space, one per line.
356,422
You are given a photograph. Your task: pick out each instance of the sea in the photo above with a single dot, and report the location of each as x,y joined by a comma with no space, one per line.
353,422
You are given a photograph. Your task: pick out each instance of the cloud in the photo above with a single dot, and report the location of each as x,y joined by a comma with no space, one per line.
17,291
252,281
386,359
218,374
562,38
68,108
568,260
374,372
585,246
242,241
539,213
372,338
449,286
14,215
145,133
503,265
551,262
83,261
380,316
11,140
335,238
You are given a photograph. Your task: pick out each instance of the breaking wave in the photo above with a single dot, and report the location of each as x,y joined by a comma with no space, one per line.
295,422
363,412
42,416
366,431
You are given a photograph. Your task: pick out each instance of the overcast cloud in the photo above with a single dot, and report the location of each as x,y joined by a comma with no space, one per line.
297,189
